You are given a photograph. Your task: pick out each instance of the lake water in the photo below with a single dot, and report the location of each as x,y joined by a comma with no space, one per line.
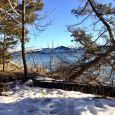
47,60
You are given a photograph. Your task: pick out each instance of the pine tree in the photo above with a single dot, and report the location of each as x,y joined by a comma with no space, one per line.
96,34
15,16
5,44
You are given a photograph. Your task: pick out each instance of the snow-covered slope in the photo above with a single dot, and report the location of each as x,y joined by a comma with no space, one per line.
41,101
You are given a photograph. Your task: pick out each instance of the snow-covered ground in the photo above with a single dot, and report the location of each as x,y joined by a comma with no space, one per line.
41,101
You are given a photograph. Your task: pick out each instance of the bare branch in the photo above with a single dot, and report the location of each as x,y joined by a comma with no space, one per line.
104,22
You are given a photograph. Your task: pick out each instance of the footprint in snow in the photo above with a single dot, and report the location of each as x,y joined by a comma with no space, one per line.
99,105
112,104
92,110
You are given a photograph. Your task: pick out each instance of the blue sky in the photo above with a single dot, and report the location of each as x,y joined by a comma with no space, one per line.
61,16
56,33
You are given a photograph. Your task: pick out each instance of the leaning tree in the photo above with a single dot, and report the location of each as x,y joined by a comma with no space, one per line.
95,33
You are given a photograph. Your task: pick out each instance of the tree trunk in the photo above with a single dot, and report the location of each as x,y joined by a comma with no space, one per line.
3,55
23,41
3,60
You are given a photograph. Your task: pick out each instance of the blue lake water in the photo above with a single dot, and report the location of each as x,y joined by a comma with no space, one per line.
47,59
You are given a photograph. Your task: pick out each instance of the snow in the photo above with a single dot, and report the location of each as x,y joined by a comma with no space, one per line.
23,100
40,78
29,82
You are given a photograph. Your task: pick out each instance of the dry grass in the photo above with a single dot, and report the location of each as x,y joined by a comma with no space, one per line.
11,67
14,76
38,69
15,72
